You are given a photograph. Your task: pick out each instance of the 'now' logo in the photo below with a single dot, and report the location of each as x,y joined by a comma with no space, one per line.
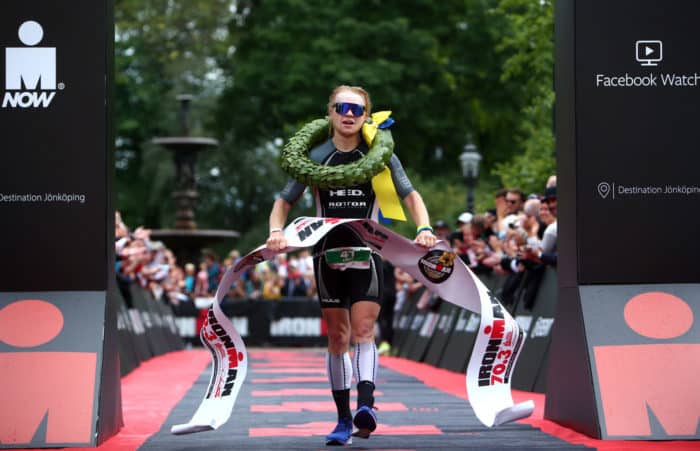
30,71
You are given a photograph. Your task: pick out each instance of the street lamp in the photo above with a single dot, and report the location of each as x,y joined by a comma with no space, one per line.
469,160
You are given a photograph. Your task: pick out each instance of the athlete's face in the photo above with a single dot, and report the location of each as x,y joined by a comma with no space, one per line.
347,124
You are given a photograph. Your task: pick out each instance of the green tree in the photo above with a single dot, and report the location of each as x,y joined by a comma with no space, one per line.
162,48
427,61
529,44
432,63
238,192
260,69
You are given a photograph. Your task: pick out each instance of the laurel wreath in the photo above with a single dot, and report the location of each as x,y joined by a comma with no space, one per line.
295,161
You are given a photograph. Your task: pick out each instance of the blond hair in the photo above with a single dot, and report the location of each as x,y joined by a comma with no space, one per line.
357,90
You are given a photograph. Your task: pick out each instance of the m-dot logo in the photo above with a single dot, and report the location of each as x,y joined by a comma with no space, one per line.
30,71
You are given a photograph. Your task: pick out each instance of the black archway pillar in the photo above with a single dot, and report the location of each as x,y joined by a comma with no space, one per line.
627,75
59,368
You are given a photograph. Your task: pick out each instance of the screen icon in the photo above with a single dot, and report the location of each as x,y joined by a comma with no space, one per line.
649,52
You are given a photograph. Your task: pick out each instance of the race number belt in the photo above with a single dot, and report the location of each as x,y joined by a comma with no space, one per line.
343,258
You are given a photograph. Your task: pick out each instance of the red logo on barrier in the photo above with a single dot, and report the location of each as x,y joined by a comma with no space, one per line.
25,396
658,378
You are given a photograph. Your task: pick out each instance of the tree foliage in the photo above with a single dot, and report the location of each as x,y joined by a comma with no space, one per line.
530,64
261,69
162,48
428,62
432,63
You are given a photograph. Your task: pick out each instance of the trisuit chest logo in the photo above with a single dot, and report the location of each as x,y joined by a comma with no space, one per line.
30,71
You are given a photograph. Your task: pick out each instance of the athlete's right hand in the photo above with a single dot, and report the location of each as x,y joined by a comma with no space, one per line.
276,241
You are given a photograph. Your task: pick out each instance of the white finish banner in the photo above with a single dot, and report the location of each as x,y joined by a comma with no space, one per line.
492,361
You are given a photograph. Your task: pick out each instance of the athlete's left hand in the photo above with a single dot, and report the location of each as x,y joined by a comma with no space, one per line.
426,239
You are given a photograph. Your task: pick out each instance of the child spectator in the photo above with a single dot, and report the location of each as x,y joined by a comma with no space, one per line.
190,277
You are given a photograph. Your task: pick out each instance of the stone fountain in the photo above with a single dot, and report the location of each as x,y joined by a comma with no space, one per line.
186,240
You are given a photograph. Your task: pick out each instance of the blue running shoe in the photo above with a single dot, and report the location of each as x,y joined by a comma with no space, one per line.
365,421
342,434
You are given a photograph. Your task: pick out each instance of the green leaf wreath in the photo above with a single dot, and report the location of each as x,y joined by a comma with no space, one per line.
295,160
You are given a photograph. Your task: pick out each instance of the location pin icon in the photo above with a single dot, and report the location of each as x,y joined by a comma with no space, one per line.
603,189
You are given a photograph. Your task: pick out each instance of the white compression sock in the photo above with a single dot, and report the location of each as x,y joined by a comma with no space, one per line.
364,362
339,370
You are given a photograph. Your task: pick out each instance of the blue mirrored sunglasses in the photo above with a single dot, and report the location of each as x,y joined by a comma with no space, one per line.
344,107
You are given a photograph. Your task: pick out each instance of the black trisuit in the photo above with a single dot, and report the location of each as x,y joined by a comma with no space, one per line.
338,288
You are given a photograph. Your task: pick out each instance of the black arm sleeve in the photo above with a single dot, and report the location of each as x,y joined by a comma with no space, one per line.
399,177
292,191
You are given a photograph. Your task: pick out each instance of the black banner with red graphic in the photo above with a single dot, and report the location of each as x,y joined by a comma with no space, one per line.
282,322
537,321
57,225
627,91
426,328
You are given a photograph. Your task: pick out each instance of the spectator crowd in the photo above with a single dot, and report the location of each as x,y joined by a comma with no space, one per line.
154,267
511,244
514,241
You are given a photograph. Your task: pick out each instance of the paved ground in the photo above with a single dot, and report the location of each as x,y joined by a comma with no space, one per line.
285,403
